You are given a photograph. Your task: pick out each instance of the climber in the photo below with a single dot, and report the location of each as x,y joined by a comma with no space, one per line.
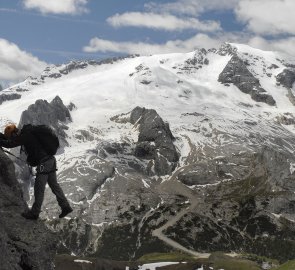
41,156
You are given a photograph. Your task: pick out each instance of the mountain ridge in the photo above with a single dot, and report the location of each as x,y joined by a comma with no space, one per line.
235,149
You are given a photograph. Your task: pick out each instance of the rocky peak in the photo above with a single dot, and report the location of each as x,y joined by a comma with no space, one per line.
237,73
226,49
54,114
155,141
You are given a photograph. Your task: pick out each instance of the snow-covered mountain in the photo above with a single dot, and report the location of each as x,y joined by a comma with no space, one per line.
189,151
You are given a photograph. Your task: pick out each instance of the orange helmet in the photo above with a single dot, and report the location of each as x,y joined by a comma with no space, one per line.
9,130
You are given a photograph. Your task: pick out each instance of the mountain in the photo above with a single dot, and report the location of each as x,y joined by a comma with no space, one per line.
192,151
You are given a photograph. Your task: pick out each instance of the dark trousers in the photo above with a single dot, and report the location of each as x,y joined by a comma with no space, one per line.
46,173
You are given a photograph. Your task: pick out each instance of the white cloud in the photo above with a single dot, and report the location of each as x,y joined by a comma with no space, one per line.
285,45
267,16
191,7
57,6
161,21
15,64
171,46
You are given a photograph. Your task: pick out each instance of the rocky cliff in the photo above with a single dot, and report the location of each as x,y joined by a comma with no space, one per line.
24,244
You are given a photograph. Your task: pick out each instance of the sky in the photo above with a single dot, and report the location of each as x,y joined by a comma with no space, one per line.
37,33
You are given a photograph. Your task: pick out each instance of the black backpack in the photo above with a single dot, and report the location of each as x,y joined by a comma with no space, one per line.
45,136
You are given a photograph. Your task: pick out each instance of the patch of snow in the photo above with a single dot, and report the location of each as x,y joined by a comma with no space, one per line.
276,215
145,183
292,168
82,261
153,266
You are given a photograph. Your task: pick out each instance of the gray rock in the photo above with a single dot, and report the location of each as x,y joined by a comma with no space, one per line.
19,89
24,244
136,114
286,78
286,119
54,114
73,65
145,150
71,106
7,97
55,75
155,140
225,49
237,73
196,62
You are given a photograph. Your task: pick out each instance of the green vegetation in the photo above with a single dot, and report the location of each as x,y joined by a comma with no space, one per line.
290,265
216,261
164,257
260,259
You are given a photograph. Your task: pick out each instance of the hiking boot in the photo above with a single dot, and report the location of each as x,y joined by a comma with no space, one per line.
30,215
65,211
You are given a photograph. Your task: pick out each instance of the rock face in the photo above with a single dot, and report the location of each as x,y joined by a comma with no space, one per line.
155,141
23,244
236,72
54,114
286,78
226,49
6,97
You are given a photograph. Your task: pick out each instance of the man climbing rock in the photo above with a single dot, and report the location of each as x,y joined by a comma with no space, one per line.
40,145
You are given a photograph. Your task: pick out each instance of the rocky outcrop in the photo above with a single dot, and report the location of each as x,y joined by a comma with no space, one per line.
155,141
54,114
236,72
195,63
24,244
58,71
225,49
7,97
286,78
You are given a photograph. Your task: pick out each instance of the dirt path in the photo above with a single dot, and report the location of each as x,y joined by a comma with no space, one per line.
172,186
159,233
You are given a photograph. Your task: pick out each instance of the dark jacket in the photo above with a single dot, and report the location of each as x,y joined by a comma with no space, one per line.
33,148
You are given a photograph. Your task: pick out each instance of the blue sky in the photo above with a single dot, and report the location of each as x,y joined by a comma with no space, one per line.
35,33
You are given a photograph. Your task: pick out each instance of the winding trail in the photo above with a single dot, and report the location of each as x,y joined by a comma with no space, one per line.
159,233
178,188
173,186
